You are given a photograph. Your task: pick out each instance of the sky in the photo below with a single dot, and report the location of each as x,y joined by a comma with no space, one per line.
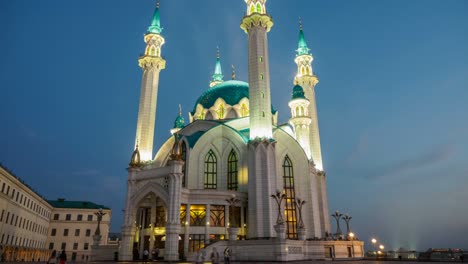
392,99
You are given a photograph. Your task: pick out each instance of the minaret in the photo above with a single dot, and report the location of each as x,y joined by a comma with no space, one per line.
151,63
261,148
306,78
218,73
300,118
256,24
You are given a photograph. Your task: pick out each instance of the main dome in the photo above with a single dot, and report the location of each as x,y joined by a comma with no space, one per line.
232,92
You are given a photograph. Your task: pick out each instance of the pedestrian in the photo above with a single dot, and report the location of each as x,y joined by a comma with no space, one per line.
145,254
214,256
227,255
63,257
198,257
53,258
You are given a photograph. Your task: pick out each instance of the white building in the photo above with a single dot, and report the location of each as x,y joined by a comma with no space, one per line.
215,177
31,227
73,225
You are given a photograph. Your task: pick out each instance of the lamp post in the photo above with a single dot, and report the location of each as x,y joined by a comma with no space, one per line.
337,217
374,241
279,197
382,250
347,218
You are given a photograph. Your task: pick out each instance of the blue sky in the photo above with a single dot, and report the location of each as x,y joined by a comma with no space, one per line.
392,99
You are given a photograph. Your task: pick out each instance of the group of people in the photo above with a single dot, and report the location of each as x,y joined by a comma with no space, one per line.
62,258
214,256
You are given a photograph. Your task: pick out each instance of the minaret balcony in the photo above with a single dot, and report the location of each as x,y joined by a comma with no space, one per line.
256,20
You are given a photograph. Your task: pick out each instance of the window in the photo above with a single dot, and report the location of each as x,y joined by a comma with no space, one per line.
86,245
64,245
197,215
261,76
290,201
260,59
75,246
77,232
210,170
217,215
232,182
88,232
68,217
244,110
1,217
90,217
221,111
65,232
79,217
56,216
259,8
51,245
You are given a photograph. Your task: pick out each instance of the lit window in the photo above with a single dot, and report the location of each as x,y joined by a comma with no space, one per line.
210,170
290,205
232,181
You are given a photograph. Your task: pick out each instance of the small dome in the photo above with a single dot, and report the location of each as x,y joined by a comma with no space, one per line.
179,122
298,93
231,92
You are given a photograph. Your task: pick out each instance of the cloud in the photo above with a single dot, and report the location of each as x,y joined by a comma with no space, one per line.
434,156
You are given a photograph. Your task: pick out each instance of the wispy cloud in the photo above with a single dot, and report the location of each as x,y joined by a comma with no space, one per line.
434,156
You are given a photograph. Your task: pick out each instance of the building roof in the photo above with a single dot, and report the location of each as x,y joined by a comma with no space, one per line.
231,92
155,26
298,93
62,203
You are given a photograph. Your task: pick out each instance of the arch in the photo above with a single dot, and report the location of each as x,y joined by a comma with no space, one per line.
308,70
259,8
209,115
302,70
252,9
231,114
290,203
152,51
211,177
244,110
221,111
232,175
151,187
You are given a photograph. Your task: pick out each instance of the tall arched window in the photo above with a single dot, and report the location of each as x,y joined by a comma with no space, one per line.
232,180
290,205
184,158
244,110
210,170
259,8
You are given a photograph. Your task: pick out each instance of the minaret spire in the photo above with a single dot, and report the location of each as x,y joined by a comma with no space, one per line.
306,78
233,74
218,73
151,63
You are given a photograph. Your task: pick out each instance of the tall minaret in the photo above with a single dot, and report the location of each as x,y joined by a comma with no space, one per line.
151,63
300,118
261,149
218,73
306,78
256,24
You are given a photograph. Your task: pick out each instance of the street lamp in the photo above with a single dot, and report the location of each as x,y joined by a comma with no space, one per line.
374,241
337,217
381,247
351,236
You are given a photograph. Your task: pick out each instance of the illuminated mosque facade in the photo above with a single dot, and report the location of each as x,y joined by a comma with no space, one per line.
231,177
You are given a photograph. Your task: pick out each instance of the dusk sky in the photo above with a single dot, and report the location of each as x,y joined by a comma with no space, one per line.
392,99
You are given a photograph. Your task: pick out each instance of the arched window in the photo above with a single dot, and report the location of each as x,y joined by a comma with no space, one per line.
221,111
252,9
308,70
184,158
232,180
259,8
210,170
244,110
290,205
152,51
302,70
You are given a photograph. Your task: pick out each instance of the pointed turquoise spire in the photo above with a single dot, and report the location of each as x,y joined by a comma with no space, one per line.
155,23
218,73
302,48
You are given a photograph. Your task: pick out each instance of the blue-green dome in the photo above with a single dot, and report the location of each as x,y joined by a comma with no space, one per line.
298,93
231,92
179,122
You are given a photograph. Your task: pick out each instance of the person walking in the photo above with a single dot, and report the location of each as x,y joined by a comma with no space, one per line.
227,255
214,256
53,258
63,257
198,257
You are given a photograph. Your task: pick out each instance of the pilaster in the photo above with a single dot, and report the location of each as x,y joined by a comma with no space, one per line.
173,211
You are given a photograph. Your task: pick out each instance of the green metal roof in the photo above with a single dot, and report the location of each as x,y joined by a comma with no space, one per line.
231,92
155,26
302,48
298,93
218,73
62,203
179,122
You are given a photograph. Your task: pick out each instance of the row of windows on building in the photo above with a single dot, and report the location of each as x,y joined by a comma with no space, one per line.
63,246
211,172
21,241
53,232
17,196
21,222
68,217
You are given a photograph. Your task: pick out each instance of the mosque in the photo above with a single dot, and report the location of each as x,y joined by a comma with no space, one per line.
232,177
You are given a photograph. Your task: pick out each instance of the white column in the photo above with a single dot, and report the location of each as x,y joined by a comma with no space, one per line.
171,252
